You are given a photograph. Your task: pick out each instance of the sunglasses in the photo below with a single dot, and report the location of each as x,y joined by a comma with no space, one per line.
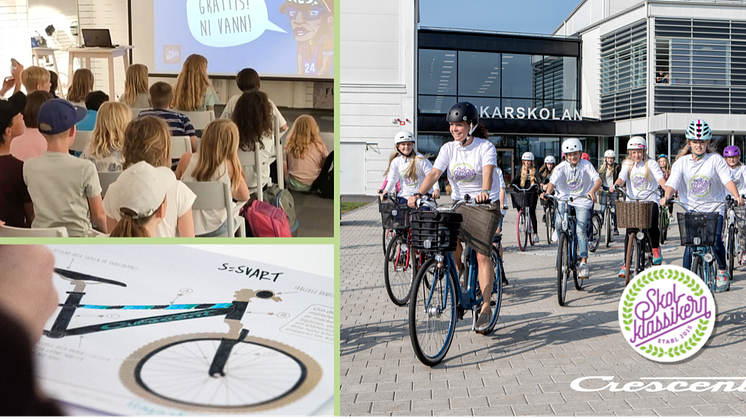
308,15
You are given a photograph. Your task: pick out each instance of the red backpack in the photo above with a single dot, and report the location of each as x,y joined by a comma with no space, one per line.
266,220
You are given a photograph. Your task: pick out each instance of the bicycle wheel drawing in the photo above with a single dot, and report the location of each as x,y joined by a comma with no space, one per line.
259,374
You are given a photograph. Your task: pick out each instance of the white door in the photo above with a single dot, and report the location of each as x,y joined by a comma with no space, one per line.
352,169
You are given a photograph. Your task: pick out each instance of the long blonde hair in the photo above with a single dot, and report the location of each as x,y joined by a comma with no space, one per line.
605,169
135,83
544,170
630,163
666,170
527,174
108,133
302,136
81,85
148,139
192,83
219,145
410,172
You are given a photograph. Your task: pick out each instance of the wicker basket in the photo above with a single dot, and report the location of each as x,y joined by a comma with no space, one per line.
697,229
634,214
435,231
522,199
394,215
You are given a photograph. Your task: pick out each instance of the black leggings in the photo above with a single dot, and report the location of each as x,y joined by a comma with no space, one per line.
654,230
532,214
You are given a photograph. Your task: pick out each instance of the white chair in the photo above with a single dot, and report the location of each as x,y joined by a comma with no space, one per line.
328,139
199,119
252,161
136,111
106,179
179,146
217,196
8,231
81,140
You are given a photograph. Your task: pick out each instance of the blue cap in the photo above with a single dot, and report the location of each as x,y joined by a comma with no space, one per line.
58,115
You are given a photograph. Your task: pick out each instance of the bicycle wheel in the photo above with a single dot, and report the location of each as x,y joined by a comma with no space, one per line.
497,291
398,270
383,240
731,249
549,221
607,226
630,261
698,268
529,229
594,230
563,268
521,230
173,372
432,313
711,275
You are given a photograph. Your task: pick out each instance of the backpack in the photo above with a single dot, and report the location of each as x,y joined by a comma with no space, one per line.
324,183
266,220
281,198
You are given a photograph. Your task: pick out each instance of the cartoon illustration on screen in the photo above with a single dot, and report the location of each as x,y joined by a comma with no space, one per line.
312,22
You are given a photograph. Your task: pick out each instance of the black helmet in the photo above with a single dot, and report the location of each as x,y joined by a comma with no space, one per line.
463,111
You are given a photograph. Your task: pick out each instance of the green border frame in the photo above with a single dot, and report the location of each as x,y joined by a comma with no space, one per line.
337,215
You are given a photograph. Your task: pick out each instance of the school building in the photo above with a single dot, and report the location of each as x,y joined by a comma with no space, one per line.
613,69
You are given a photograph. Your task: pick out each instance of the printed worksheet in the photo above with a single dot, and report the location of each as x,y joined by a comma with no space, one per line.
168,330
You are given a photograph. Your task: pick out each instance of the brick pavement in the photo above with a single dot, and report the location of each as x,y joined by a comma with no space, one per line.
526,365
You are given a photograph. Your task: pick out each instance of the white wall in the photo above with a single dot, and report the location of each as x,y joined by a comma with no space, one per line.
591,74
62,14
376,84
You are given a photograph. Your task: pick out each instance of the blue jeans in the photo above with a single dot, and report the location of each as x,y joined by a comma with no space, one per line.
603,208
581,214
719,249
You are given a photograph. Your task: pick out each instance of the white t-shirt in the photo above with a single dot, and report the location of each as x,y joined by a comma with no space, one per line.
701,184
638,187
575,182
463,166
739,177
179,199
498,183
397,172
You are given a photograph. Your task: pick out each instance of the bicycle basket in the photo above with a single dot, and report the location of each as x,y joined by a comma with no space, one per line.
634,214
393,215
697,229
435,231
606,199
522,199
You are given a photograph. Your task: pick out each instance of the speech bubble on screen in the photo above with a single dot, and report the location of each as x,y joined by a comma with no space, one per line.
230,23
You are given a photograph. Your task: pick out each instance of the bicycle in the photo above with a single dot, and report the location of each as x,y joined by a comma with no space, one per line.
698,232
401,261
388,233
549,220
594,231
212,363
606,199
437,300
635,216
731,233
522,201
663,223
567,250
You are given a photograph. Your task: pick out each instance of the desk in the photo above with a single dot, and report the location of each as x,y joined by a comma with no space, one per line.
39,52
107,53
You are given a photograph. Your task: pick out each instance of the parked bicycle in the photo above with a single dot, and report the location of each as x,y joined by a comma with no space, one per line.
438,301
567,250
524,228
401,261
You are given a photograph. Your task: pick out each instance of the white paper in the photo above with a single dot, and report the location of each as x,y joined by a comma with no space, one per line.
283,366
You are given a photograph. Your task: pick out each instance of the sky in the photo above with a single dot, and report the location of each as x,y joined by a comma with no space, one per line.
523,16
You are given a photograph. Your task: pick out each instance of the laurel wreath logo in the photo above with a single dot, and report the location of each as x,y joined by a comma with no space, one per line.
635,288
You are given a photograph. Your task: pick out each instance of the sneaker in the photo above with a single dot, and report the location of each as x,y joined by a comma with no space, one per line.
483,320
616,231
623,272
671,219
723,281
583,270
657,259
554,236
505,280
536,238
743,258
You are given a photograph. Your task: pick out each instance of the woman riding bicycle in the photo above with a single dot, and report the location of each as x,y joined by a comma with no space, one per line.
527,179
545,173
642,176
576,178
609,173
470,162
407,168
732,155
702,179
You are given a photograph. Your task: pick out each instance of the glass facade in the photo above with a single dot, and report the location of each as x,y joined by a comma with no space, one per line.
624,72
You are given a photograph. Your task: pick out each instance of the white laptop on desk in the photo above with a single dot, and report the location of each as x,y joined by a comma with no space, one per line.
100,38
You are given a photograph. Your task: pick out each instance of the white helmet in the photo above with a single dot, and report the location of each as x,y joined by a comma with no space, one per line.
403,137
528,156
571,145
549,159
637,143
609,153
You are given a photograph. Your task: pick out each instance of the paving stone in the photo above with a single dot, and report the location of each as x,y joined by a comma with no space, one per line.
387,407
610,405
468,402
723,410
347,409
677,411
375,397
541,398
567,409
494,411
510,399
533,410
412,395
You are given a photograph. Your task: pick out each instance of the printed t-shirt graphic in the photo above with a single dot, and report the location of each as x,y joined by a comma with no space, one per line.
575,182
705,180
640,187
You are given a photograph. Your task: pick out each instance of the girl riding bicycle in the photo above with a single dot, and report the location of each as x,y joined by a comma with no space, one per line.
702,179
470,162
545,172
527,179
666,169
642,176
732,155
578,179
407,168
609,173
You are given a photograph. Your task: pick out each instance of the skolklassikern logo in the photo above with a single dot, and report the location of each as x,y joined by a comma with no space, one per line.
667,313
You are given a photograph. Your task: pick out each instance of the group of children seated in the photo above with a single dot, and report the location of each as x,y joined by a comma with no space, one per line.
43,184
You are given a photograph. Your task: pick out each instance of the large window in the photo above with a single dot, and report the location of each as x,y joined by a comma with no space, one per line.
624,72
696,61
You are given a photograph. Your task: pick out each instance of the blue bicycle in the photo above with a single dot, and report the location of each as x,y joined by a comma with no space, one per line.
437,300
567,250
